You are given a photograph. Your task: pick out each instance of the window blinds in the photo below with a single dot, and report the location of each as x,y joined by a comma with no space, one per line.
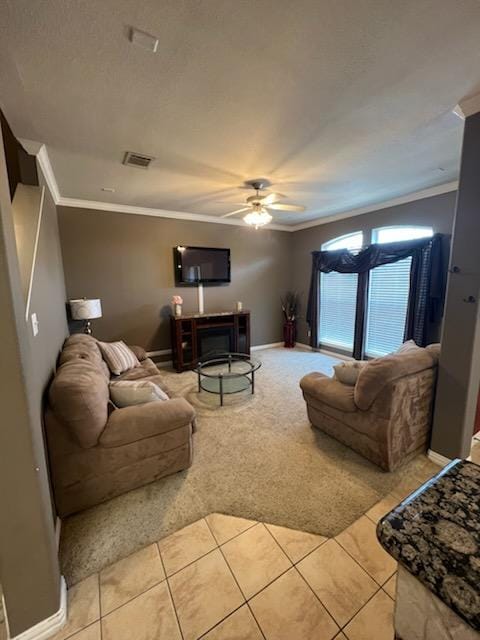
387,307
338,299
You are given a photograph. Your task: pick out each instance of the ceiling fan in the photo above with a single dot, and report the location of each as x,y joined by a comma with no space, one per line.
258,205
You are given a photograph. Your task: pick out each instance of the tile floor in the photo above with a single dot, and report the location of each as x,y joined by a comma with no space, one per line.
227,578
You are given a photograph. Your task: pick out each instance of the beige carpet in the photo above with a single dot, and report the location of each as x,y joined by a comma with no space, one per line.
257,457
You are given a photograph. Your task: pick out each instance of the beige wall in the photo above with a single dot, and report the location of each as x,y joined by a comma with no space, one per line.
29,565
127,261
437,211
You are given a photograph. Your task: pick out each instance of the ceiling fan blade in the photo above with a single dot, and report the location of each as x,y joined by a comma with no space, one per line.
271,198
287,207
232,213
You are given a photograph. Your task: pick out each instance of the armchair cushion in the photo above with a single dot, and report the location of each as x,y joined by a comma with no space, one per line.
382,371
329,391
131,424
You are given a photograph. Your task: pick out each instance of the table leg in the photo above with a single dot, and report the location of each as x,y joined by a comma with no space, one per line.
199,382
253,382
221,390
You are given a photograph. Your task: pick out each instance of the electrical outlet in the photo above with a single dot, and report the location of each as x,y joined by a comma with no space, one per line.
34,324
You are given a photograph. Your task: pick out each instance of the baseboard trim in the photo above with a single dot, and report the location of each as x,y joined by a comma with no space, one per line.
301,345
48,627
271,345
437,458
162,352
257,347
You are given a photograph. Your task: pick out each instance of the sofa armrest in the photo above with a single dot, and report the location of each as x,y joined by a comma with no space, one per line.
138,351
329,391
140,421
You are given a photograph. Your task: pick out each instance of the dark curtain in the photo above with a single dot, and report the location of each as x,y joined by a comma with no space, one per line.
427,283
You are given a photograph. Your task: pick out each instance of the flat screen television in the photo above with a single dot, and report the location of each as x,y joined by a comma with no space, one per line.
205,265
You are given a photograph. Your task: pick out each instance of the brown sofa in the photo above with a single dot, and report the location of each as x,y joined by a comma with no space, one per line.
386,416
97,451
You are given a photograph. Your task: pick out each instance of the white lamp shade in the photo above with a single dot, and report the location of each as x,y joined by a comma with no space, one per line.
83,309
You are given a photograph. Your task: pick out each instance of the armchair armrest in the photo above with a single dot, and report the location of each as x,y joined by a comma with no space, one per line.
140,421
138,351
329,391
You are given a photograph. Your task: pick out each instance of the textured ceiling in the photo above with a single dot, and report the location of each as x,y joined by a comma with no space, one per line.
340,103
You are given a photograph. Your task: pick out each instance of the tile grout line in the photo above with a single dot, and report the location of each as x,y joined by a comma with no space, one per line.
378,588
140,593
170,592
380,585
359,610
285,551
318,598
255,522
236,582
234,577
217,546
271,581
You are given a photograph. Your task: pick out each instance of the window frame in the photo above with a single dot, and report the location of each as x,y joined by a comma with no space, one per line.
374,239
326,246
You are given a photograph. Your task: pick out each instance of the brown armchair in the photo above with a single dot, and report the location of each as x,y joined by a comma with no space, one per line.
386,416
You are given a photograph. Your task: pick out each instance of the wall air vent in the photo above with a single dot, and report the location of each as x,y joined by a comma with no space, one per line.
138,160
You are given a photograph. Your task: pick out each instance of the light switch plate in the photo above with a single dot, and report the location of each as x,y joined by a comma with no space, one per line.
34,324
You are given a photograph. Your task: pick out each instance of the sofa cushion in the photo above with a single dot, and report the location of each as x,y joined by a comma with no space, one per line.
409,345
79,399
329,391
348,372
118,356
131,424
126,393
145,369
382,371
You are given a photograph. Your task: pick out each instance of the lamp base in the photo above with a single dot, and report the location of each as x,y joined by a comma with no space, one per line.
88,328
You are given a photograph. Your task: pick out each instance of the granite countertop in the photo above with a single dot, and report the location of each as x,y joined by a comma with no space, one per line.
435,535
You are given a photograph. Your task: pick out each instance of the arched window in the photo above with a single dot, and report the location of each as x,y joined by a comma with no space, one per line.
388,291
349,241
338,298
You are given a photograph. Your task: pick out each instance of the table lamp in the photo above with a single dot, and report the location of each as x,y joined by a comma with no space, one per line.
83,309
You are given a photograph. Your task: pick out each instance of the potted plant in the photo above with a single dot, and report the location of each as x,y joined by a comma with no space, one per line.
290,305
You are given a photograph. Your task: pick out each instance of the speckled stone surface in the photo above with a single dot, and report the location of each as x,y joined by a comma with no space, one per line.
435,535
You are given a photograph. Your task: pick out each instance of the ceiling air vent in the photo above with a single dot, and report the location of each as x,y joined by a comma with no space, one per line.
138,160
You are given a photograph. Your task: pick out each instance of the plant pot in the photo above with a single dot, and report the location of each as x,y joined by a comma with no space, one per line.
289,333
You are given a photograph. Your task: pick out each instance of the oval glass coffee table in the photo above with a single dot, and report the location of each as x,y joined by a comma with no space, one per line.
226,373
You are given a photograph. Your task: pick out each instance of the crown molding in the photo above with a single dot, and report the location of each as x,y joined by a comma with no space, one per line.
468,107
410,197
157,213
40,150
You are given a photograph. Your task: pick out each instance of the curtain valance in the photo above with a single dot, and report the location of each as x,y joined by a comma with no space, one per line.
427,282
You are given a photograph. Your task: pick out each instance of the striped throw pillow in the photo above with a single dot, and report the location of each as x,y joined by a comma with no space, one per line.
118,356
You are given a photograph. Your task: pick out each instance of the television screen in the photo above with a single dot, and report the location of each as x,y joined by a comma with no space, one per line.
201,265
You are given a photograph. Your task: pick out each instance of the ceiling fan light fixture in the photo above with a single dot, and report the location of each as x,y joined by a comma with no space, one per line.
258,218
